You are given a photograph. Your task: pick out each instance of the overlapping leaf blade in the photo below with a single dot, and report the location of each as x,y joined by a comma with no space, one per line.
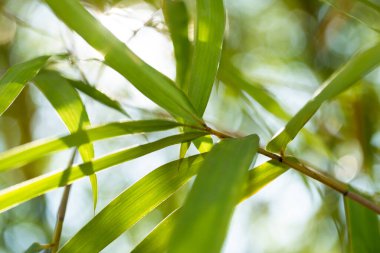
363,228
214,194
23,154
35,187
97,95
177,20
350,73
132,205
209,33
259,177
69,106
149,81
14,80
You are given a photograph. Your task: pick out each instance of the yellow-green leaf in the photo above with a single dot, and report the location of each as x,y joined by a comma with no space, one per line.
353,71
69,106
23,154
27,190
213,197
14,80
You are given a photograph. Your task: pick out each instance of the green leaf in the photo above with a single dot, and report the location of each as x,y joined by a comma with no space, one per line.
263,175
27,190
23,154
97,95
204,144
14,80
353,71
177,20
132,205
69,106
259,177
209,33
158,238
231,76
213,197
157,87
363,228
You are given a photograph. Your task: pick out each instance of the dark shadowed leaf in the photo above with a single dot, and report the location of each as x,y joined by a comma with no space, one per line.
97,95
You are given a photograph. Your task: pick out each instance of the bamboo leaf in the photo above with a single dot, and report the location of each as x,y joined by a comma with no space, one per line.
204,144
177,20
69,106
363,228
118,56
158,238
97,95
262,175
231,76
132,205
353,71
27,190
23,154
14,80
212,199
258,178
209,33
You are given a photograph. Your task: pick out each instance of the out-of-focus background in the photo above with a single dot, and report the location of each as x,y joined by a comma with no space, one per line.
287,46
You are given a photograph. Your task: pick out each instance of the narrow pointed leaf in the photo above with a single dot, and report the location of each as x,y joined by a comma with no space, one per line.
262,175
157,87
210,25
14,80
259,177
353,71
177,20
363,228
27,190
213,197
158,238
69,106
132,205
23,154
97,95
204,144
231,76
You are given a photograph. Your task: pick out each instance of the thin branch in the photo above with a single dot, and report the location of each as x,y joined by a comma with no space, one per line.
309,171
62,211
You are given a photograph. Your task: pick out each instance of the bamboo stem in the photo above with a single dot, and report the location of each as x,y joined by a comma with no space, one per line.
321,177
62,211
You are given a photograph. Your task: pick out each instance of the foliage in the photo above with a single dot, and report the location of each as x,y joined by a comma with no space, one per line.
230,61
